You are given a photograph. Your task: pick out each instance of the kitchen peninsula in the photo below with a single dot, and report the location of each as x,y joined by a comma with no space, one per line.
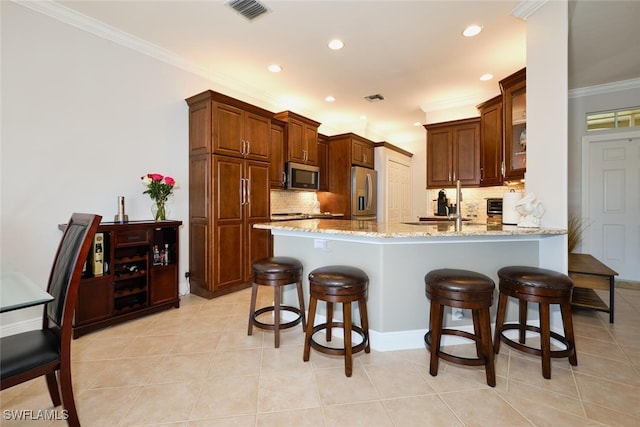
396,258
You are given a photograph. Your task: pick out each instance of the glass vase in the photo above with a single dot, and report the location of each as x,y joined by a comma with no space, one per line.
159,211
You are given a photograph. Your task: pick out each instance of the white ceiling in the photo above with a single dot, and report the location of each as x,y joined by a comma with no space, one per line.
411,52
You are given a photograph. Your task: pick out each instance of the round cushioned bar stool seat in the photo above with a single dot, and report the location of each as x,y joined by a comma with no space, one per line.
533,281
545,287
460,287
338,284
277,268
276,272
467,290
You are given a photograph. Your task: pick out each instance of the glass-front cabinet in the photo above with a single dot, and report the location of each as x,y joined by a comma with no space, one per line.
514,95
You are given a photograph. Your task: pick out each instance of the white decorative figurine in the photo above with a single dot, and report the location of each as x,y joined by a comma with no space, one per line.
531,210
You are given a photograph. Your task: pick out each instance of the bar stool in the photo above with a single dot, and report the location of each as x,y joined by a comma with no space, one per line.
276,272
461,289
338,284
545,287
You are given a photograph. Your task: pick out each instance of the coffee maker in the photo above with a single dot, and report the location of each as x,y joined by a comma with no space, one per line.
442,203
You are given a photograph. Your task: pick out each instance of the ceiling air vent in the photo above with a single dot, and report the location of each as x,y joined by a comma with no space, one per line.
250,9
374,98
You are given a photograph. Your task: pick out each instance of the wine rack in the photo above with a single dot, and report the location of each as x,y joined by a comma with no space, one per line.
140,274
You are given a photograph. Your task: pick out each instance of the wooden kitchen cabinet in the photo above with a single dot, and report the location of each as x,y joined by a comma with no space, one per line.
228,193
453,153
341,149
277,175
139,274
323,162
362,152
240,198
219,124
514,98
301,138
491,142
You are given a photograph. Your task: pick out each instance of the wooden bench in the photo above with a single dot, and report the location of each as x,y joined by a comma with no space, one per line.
589,274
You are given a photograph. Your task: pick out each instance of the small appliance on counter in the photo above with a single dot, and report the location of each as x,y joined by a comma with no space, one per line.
443,203
494,211
510,216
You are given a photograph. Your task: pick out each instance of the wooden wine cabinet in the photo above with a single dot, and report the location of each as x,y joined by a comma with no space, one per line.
139,274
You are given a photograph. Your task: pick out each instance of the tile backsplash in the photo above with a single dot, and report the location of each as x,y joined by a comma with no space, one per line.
292,201
474,200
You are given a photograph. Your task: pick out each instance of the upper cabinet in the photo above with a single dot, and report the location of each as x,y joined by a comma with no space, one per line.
491,142
514,101
277,176
219,124
323,162
453,153
362,152
301,138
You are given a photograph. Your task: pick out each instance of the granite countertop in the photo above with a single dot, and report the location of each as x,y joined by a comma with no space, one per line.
299,215
403,230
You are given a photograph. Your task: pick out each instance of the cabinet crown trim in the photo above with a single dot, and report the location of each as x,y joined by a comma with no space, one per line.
470,120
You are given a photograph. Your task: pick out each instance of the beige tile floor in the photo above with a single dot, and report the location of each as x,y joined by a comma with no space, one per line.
196,366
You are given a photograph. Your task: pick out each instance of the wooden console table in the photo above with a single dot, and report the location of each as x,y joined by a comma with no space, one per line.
588,274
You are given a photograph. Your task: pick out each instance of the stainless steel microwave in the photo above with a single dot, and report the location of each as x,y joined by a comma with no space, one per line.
302,177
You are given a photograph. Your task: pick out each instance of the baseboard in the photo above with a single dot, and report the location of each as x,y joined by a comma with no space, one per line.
22,326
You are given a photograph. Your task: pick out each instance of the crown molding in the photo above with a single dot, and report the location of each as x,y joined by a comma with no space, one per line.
605,88
526,8
93,26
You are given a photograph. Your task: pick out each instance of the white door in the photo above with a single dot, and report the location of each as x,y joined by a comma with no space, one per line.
399,192
613,206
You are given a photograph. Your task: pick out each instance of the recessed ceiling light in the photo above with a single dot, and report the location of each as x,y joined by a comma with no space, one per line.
486,77
472,30
330,98
336,44
417,124
274,68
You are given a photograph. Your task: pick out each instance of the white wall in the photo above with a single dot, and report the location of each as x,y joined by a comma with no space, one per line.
82,119
547,117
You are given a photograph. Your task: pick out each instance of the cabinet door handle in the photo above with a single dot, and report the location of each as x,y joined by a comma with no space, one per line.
248,148
243,189
304,155
248,184
284,178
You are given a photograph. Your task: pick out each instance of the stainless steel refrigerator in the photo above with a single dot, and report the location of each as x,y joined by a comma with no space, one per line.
363,193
